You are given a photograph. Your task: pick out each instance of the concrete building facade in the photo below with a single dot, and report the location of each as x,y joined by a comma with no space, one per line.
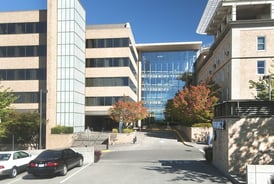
72,73
112,71
242,48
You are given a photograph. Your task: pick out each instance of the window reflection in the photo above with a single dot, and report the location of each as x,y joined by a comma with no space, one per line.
160,77
23,28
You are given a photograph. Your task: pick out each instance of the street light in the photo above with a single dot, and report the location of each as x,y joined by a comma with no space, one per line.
41,117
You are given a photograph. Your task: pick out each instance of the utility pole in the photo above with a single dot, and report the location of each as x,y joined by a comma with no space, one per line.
41,118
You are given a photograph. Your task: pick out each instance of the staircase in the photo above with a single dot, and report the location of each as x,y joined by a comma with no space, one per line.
90,138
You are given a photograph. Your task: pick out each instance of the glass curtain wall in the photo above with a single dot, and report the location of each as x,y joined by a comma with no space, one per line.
161,72
71,65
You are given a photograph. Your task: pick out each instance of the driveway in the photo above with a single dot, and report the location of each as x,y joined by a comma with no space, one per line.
157,157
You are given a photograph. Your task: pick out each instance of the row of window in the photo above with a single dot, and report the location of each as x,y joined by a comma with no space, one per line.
104,101
27,97
110,81
23,51
23,28
110,62
23,74
34,97
107,43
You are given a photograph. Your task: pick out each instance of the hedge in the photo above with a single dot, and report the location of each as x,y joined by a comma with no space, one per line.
62,130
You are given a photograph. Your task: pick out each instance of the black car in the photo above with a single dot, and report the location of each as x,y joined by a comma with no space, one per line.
52,162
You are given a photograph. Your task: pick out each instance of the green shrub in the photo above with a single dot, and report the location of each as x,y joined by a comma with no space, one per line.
61,130
67,130
208,153
56,130
208,125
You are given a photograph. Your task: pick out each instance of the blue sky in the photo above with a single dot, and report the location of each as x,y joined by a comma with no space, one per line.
151,21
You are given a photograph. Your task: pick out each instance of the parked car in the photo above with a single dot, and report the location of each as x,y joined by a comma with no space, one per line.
52,162
13,162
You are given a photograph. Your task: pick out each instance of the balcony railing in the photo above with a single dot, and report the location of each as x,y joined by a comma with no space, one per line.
244,109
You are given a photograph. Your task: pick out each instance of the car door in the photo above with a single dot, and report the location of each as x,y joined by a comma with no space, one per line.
69,157
25,158
15,160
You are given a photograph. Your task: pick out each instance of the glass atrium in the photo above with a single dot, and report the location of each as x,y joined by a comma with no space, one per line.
161,73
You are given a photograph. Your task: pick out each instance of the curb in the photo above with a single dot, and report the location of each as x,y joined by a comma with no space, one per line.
181,138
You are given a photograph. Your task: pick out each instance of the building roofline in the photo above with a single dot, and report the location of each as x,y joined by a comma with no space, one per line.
108,26
209,11
171,46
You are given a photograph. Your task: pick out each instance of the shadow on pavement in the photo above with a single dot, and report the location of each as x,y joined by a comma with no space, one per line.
167,134
190,170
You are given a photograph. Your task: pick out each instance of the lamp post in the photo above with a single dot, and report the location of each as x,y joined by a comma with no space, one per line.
41,118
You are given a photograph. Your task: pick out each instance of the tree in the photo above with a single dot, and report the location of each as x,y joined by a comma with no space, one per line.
23,126
187,77
195,103
6,99
263,87
128,111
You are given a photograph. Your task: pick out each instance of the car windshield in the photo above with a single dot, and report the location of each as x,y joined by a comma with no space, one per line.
49,154
5,156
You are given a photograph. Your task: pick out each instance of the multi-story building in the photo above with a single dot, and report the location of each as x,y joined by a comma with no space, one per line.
72,73
243,50
111,71
23,57
42,55
163,65
243,46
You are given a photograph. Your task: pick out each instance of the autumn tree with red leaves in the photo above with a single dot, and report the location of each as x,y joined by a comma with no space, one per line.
195,104
128,111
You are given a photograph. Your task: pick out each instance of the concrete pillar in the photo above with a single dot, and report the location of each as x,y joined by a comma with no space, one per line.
272,10
234,12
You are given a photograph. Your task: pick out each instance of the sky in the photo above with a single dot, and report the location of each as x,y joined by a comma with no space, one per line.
151,21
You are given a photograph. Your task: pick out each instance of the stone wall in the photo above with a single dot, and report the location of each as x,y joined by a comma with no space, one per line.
122,138
244,141
195,134
59,141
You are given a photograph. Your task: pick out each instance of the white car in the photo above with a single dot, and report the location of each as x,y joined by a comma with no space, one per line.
13,162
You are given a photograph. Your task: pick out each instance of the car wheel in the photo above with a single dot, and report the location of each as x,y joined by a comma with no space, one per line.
80,164
65,170
14,172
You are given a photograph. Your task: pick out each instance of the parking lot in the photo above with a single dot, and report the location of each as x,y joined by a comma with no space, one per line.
27,178
157,157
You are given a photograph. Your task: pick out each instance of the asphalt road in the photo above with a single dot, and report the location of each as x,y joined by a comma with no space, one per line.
156,158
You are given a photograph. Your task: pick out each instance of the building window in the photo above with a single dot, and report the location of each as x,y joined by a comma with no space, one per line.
27,97
23,51
113,81
260,43
110,62
23,28
104,100
260,67
107,43
23,74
